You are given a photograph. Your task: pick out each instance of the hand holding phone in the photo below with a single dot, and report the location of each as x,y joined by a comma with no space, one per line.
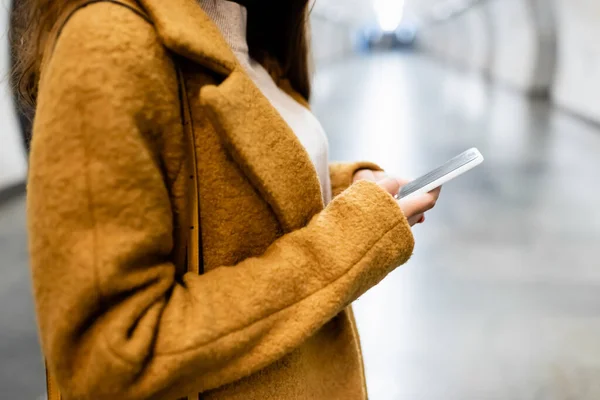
413,207
420,195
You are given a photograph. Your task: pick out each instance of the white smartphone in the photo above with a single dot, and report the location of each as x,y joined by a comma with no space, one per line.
436,178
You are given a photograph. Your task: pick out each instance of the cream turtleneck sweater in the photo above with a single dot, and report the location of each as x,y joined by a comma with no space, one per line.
231,19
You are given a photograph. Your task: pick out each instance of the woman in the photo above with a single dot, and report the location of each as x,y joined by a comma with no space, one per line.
186,233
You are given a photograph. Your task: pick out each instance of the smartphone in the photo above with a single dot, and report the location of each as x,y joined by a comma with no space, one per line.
436,178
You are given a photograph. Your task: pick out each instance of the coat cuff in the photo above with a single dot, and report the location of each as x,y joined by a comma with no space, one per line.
342,174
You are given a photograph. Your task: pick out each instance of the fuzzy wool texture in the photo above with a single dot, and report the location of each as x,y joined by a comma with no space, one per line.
118,317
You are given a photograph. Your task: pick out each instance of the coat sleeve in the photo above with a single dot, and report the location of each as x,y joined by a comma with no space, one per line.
342,174
114,320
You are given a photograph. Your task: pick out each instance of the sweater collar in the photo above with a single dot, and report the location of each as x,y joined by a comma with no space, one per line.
232,20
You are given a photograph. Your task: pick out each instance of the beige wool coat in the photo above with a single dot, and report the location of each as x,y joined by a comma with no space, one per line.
120,316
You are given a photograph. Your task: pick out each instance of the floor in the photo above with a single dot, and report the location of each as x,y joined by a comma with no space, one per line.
501,299
21,369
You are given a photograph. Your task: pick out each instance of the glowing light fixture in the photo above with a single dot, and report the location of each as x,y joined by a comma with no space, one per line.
389,13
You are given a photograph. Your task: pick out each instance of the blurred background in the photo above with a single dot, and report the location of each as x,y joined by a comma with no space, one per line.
501,299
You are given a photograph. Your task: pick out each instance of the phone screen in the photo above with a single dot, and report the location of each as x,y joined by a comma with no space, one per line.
449,170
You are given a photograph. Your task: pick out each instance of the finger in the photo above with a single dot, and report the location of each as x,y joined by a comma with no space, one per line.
414,205
402,181
379,175
390,185
436,192
416,219
412,221
364,175
426,202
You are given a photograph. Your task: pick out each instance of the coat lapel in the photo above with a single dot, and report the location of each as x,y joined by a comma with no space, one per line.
260,141
266,149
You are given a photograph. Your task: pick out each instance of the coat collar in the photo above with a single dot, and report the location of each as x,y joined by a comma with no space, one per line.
186,30
260,141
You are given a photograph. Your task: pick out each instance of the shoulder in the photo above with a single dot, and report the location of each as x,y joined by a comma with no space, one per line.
106,41
108,60
103,25
108,70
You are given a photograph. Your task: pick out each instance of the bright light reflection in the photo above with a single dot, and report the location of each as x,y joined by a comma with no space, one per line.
389,13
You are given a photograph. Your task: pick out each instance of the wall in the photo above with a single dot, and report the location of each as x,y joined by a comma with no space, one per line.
12,157
511,41
463,41
539,47
329,41
577,84
515,44
333,25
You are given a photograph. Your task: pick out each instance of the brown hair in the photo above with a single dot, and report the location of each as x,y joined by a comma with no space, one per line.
277,30
31,23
